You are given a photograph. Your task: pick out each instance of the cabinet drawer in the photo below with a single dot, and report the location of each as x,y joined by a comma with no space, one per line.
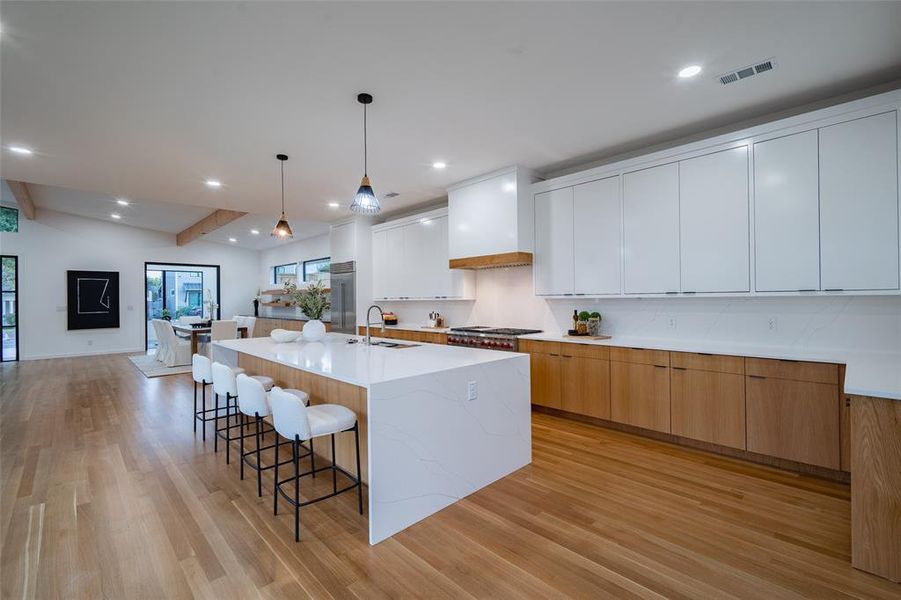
719,363
640,356
585,351
640,395
792,369
539,347
708,406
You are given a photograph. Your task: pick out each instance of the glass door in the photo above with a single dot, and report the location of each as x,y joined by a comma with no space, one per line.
9,346
175,291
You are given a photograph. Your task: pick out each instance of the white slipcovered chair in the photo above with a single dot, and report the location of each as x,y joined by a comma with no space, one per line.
248,322
172,351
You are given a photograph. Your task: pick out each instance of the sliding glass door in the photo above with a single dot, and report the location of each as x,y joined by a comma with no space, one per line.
9,346
176,291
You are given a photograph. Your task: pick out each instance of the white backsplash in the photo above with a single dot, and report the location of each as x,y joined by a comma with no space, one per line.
505,299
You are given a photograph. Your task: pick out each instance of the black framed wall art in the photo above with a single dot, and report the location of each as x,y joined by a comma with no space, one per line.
93,299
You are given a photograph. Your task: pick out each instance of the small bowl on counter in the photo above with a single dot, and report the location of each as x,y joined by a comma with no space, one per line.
283,336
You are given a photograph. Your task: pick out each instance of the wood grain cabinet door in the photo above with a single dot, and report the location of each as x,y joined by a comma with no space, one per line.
709,406
796,420
545,371
585,386
640,395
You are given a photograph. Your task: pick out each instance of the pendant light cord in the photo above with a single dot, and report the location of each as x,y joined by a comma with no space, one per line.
365,145
283,186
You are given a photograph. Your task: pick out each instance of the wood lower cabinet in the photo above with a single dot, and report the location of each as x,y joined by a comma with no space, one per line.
265,325
796,420
546,380
708,406
407,335
585,386
640,395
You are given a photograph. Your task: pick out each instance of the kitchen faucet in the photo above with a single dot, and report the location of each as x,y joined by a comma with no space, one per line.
381,314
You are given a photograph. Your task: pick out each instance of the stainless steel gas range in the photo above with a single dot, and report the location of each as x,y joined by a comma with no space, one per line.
490,338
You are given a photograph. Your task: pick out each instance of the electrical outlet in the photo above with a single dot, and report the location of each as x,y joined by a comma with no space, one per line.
672,322
773,324
90,342
473,390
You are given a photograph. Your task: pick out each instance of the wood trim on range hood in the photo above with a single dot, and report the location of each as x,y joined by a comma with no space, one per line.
492,261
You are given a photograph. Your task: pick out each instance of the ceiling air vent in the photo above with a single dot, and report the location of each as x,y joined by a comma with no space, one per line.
749,71
392,195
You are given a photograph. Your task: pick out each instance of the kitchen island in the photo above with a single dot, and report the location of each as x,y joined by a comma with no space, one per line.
437,422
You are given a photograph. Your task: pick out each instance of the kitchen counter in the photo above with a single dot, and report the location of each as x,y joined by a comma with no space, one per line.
362,365
437,422
866,374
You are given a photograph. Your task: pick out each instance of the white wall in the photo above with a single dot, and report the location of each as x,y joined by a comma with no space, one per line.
57,242
299,251
505,299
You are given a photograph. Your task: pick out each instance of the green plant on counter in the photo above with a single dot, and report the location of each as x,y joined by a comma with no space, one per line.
584,315
312,300
595,315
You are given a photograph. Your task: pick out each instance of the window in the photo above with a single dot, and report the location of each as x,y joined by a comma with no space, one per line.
317,270
282,274
9,219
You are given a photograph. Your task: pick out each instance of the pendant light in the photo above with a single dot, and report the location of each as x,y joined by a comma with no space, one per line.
365,202
282,230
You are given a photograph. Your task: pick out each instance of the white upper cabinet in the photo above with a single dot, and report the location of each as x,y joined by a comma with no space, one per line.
596,237
553,266
410,261
380,264
859,204
341,243
713,222
786,213
651,230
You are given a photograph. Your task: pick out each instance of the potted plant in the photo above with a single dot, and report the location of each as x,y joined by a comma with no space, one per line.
166,314
594,323
582,325
312,301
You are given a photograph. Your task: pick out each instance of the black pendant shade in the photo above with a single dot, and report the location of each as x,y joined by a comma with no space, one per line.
282,230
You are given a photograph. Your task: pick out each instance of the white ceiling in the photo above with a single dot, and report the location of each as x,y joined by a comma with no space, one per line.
148,99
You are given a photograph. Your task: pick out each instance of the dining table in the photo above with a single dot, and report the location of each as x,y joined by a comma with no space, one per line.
196,332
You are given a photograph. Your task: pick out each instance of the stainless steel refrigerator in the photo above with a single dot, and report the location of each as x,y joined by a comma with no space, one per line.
344,297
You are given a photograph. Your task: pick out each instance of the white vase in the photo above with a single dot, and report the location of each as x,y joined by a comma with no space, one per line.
313,331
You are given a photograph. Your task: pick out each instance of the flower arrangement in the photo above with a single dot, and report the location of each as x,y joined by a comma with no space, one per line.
313,300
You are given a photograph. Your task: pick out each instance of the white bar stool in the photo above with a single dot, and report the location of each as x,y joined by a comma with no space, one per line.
253,402
202,373
224,384
297,422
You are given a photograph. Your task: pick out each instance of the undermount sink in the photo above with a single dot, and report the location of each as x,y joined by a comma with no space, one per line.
393,345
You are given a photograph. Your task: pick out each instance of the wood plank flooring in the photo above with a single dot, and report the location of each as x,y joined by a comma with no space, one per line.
107,493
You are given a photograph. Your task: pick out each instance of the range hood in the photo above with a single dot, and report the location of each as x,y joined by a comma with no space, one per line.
491,220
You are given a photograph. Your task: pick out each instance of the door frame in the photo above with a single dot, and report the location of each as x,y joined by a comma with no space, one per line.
174,264
15,258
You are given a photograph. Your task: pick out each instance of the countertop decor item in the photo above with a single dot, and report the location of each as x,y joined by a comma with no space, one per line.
313,301
365,201
282,230
283,336
594,323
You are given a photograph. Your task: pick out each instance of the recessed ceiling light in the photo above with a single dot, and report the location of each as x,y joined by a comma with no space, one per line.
122,202
439,165
20,150
213,183
116,215
232,240
690,71
510,186
333,205
255,231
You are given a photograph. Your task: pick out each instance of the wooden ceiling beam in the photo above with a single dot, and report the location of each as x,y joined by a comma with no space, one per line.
220,218
23,198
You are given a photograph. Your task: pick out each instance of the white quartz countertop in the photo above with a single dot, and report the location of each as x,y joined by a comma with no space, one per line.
866,374
362,365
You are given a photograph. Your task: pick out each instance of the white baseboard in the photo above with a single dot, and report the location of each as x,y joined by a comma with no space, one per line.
81,354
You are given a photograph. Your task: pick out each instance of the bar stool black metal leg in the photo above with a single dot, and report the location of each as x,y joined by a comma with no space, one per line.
216,424
334,470
203,404
241,416
275,478
359,480
312,458
228,429
259,464
296,490
195,407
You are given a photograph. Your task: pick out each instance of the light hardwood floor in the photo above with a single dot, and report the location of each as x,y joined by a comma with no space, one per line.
107,493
